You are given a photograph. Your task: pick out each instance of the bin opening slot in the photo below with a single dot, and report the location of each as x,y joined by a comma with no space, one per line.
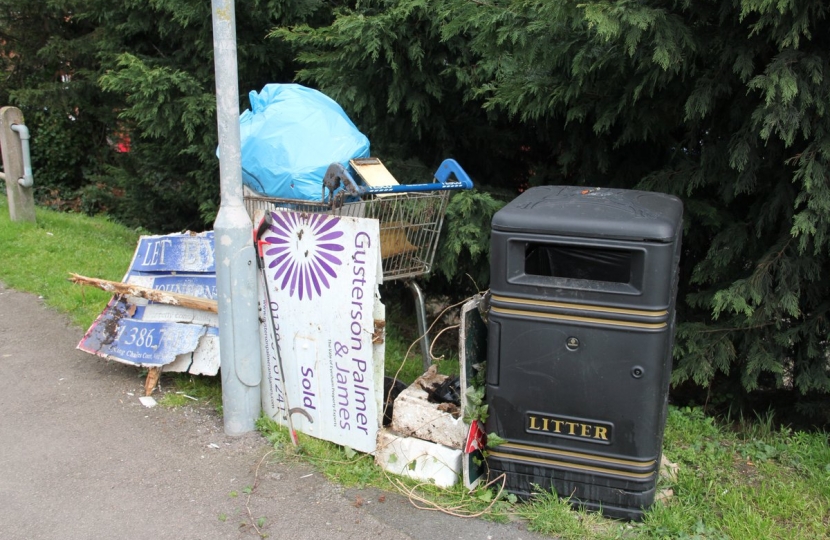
571,262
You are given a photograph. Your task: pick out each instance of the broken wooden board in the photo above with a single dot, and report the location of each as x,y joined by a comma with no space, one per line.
134,330
373,172
154,295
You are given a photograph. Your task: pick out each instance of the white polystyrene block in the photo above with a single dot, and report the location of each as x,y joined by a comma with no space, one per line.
419,459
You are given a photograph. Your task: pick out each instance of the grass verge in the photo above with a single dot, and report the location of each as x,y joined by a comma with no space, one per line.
190,389
742,484
38,258
743,479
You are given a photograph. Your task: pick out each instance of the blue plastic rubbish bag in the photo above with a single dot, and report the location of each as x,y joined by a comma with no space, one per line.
290,137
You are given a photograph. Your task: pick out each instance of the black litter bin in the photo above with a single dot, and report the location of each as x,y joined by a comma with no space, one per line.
581,324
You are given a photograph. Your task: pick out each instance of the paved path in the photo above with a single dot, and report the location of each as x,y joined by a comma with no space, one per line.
80,458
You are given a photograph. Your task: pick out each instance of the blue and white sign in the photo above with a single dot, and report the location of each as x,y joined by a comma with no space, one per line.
175,253
135,331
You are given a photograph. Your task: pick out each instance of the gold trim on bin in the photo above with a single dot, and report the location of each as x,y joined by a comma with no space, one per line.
582,307
573,466
576,318
580,455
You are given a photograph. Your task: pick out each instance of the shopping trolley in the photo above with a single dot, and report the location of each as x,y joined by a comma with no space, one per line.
410,217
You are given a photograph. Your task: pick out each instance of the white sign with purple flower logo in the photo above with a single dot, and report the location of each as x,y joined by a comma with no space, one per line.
320,314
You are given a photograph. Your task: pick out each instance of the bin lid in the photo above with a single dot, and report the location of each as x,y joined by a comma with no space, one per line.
592,212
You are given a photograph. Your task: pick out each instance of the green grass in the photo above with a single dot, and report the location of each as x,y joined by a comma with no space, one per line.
403,356
731,484
352,469
191,389
38,258
743,479
749,482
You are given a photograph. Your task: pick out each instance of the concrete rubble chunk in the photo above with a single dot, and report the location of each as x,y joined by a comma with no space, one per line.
415,416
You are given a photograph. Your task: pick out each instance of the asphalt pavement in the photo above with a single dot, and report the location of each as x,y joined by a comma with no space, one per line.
81,457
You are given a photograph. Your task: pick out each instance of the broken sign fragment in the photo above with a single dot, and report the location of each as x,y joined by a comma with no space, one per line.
137,331
136,341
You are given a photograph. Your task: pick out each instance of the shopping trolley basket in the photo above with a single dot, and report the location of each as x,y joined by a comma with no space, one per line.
409,216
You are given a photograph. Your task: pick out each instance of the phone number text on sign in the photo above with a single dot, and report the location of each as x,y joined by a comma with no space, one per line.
144,342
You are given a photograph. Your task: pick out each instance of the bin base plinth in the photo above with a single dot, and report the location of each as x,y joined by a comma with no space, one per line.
608,496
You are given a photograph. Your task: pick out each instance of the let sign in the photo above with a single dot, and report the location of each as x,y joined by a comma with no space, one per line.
134,331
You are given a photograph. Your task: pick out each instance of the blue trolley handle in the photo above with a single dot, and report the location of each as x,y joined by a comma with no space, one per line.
337,175
451,167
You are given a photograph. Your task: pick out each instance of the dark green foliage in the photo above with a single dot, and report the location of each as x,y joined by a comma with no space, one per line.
97,70
388,64
463,256
157,57
47,68
722,103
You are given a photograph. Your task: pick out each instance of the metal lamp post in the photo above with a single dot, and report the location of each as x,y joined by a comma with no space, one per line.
235,253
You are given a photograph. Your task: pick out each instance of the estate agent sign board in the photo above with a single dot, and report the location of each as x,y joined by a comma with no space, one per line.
319,314
135,331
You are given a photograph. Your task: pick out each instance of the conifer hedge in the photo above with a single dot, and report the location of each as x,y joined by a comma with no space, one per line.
723,103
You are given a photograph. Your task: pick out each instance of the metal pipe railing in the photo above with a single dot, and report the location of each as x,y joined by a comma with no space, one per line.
27,180
17,165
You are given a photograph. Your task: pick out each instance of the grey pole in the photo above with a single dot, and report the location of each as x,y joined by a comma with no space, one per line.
15,158
235,254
